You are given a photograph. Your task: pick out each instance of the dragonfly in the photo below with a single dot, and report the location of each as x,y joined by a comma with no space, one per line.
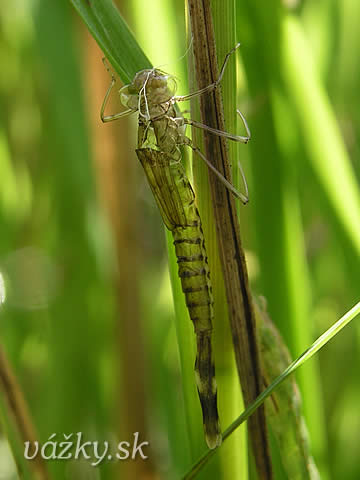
161,134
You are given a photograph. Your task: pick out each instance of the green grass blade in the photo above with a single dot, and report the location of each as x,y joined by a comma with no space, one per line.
113,36
295,323
79,316
229,396
322,137
229,391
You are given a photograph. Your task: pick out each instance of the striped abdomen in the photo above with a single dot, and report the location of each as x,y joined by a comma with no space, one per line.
176,201
195,280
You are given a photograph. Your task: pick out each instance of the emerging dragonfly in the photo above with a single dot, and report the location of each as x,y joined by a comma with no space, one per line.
161,132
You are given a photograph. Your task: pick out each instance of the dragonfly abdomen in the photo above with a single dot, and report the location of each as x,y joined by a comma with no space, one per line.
195,276
176,201
195,280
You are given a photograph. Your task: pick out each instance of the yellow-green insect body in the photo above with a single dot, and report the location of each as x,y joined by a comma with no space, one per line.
160,134
176,201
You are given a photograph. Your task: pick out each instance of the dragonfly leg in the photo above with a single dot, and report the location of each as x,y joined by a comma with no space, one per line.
116,116
243,197
212,86
220,133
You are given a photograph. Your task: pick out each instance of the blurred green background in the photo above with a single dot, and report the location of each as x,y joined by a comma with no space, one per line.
100,355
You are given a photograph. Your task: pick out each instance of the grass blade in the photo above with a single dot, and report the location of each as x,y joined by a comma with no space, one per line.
113,36
328,157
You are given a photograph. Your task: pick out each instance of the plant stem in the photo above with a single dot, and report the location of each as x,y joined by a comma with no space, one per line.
241,312
24,431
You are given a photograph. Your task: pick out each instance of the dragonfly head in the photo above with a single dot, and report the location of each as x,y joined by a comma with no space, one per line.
149,87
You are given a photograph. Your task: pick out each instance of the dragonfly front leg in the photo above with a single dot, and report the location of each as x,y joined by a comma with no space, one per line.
212,86
116,116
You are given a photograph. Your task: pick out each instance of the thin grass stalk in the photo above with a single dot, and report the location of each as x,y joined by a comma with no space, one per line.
301,360
18,423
